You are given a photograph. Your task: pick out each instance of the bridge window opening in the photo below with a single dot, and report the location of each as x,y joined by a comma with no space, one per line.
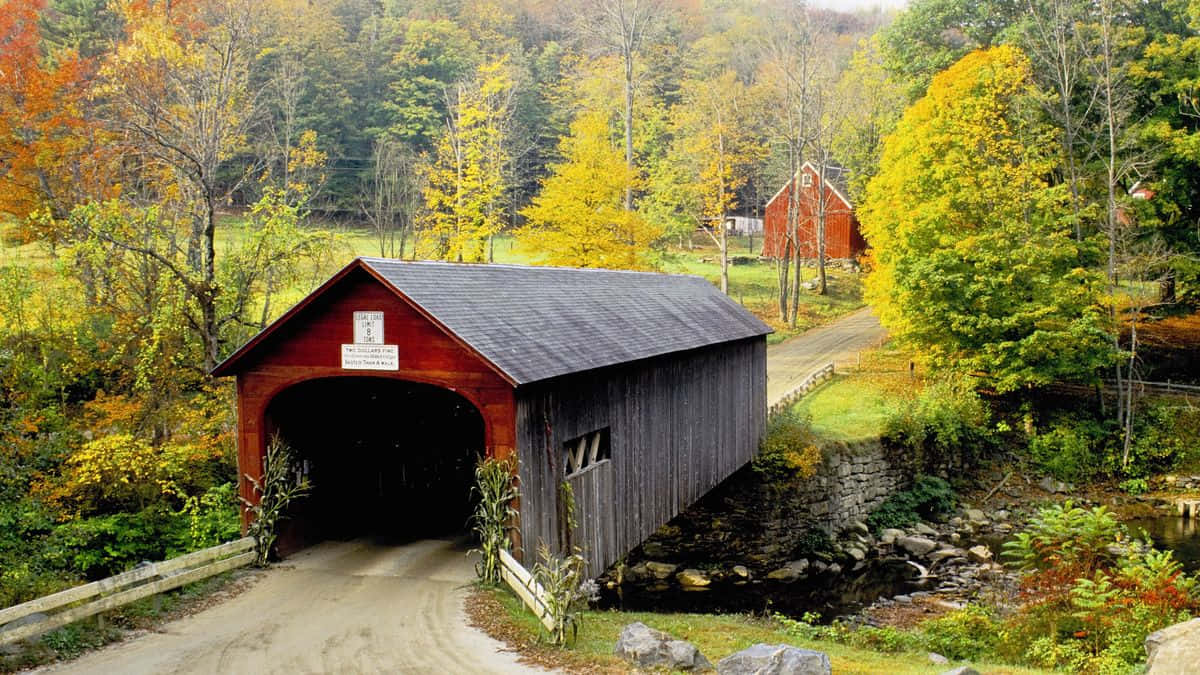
583,452
389,459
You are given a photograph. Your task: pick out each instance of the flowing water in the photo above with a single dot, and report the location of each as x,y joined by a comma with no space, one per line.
1181,535
826,594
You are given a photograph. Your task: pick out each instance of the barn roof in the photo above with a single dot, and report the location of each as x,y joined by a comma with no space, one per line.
534,323
836,176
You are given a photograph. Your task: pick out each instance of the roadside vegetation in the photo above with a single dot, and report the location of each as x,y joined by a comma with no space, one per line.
717,636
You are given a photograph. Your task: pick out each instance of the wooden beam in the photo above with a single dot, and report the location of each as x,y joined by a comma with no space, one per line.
119,581
126,597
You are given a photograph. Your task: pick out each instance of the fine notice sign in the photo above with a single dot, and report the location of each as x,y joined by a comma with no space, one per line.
371,357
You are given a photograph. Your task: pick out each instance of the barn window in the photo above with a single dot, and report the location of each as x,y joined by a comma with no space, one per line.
583,452
806,180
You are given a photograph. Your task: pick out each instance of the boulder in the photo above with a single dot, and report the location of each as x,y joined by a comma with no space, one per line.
645,647
962,670
925,529
691,578
791,571
976,516
764,659
741,571
859,527
660,570
1174,649
979,554
937,659
943,553
890,535
1056,486
916,545
857,553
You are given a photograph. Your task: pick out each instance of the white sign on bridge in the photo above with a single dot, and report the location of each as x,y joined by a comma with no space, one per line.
368,351
370,357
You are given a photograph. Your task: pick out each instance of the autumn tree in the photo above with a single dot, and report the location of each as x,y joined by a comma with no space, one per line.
974,259
717,144
623,28
579,218
52,154
872,102
465,180
178,90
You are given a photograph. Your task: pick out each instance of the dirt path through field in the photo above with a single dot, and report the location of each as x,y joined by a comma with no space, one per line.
339,607
789,362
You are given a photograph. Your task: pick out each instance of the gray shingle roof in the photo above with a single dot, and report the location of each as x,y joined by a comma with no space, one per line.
535,323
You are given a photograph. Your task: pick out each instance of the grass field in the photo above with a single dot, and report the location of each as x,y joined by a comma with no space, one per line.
752,282
853,406
717,636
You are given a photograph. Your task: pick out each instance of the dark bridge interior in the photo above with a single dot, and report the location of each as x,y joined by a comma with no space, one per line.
385,458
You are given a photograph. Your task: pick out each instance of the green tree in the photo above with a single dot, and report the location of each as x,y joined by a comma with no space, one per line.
974,262
579,219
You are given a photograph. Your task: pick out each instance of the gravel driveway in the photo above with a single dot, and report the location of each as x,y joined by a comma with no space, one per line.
338,607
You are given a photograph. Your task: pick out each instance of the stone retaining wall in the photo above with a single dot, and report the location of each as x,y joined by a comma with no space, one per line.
752,520
854,479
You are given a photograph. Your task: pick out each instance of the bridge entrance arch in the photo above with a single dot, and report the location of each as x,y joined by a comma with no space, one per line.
385,457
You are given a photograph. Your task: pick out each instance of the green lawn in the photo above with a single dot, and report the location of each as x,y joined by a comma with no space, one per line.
847,408
718,636
854,405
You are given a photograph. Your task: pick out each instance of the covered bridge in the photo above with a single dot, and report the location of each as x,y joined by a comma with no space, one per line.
642,391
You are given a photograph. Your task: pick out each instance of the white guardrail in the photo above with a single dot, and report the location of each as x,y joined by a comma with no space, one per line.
806,385
526,587
119,590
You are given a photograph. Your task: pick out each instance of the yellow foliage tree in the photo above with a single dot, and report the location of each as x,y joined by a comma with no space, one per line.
466,179
974,263
579,219
718,147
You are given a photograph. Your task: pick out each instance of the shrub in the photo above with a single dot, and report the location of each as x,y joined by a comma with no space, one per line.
1135,486
1091,594
968,633
101,546
947,419
929,498
1070,450
213,517
789,447
1074,449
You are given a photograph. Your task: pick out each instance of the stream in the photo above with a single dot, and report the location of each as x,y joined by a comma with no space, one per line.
830,595
1175,533
834,595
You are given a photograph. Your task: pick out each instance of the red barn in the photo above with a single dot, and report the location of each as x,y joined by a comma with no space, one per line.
843,237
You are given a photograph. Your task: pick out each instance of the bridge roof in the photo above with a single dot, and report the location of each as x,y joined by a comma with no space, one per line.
535,323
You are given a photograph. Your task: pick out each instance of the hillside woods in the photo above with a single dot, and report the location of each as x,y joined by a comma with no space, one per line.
173,175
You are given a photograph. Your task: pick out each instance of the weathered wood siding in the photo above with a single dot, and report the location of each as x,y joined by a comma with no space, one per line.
679,425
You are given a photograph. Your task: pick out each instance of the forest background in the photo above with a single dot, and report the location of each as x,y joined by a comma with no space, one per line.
173,174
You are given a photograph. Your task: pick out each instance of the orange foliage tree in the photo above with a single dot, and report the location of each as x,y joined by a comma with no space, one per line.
51,154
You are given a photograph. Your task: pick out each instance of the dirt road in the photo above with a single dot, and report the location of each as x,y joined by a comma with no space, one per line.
339,607
791,361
